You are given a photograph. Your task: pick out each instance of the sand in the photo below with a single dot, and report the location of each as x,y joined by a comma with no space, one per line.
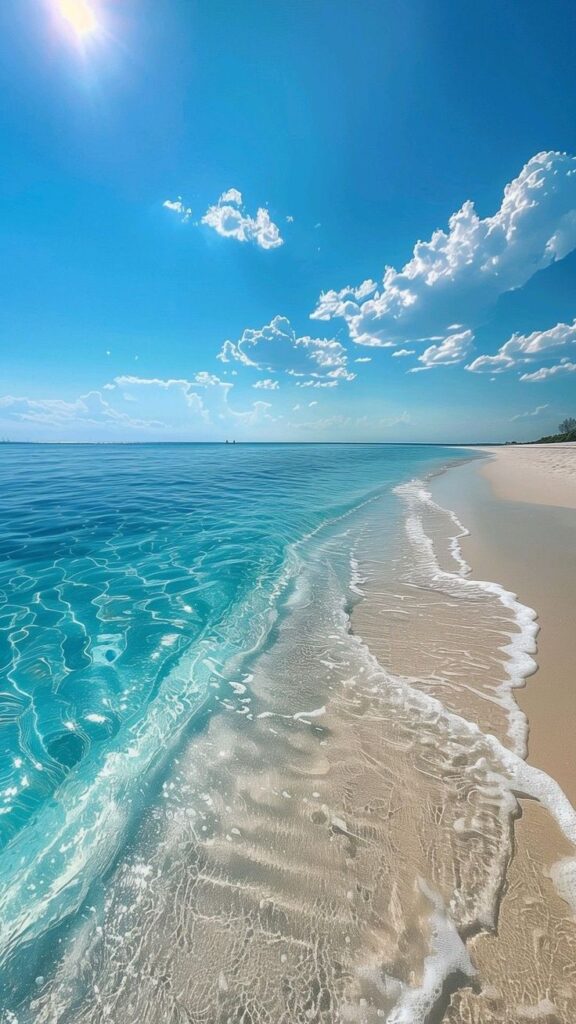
518,506
530,547
543,474
330,826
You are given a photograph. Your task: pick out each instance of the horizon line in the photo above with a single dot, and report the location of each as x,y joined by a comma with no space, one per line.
135,444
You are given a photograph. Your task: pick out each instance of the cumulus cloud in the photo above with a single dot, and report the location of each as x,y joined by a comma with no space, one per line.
204,394
179,207
233,195
458,274
546,372
404,352
528,415
449,352
276,348
267,384
524,348
228,218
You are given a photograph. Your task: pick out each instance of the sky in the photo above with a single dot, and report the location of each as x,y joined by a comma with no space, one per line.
291,220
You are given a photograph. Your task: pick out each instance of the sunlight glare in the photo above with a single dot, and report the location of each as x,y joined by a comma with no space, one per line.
79,15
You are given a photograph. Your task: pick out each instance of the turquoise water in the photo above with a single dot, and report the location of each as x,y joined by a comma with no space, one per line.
132,580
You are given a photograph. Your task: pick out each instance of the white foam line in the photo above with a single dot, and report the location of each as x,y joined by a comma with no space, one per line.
356,577
518,779
316,713
448,954
522,646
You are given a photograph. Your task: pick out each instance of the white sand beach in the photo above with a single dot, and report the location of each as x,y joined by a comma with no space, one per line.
544,474
519,507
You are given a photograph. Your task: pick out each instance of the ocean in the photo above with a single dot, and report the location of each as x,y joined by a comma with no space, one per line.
260,741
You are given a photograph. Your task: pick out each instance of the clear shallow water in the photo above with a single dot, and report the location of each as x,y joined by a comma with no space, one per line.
180,683
120,563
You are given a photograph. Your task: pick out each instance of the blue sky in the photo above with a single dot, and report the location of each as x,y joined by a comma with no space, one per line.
358,131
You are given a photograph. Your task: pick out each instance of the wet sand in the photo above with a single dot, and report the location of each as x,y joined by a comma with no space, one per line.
324,850
335,844
531,549
529,546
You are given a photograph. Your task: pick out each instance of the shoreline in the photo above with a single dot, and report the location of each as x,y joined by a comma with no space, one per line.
518,507
530,548
350,802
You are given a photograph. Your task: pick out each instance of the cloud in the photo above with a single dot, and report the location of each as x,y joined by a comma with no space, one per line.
178,206
175,407
180,385
316,362
228,218
458,275
205,395
404,352
523,348
564,366
233,195
363,359
90,408
527,415
343,425
268,384
449,352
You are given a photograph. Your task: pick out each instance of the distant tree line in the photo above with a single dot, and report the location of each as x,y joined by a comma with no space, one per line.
566,432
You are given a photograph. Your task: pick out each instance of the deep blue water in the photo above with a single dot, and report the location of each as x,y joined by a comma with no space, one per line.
130,577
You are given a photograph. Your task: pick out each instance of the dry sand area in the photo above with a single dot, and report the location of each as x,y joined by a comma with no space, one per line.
541,473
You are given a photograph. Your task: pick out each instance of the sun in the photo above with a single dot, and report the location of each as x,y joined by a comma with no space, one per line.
79,15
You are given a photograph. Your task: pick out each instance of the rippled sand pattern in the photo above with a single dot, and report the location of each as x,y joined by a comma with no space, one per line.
465,642
332,839
454,642
321,853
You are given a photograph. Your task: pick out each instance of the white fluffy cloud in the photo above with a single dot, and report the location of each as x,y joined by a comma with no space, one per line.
404,352
524,348
228,218
179,207
546,372
316,362
205,395
459,274
449,352
233,195
267,384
